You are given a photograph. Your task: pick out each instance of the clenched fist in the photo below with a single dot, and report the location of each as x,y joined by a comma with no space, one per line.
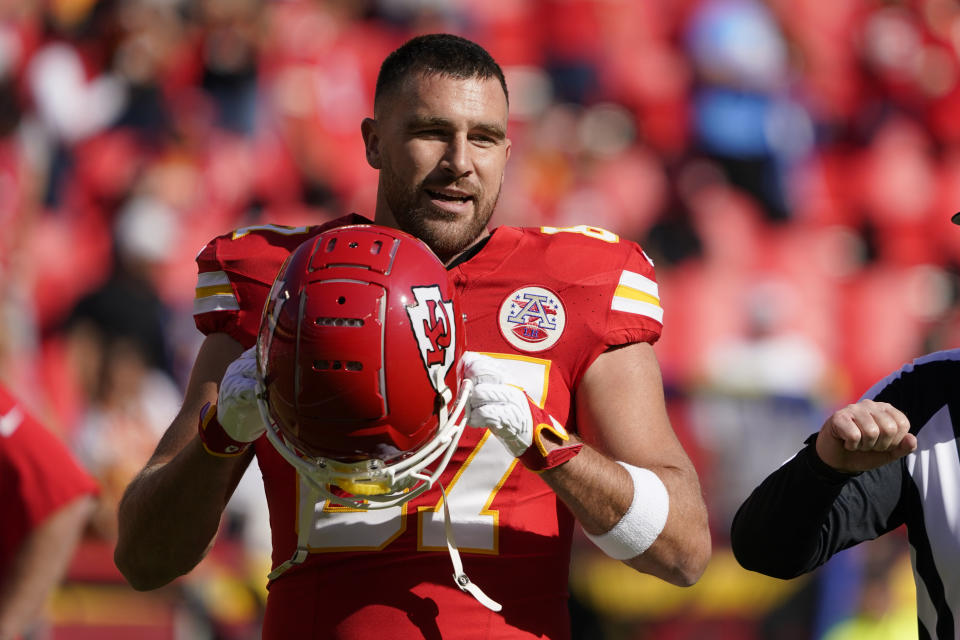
513,418
864,436
237,408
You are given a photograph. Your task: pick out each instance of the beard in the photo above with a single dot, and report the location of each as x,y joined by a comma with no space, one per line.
445,232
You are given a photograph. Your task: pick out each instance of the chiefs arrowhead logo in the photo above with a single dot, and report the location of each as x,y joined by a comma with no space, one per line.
431,319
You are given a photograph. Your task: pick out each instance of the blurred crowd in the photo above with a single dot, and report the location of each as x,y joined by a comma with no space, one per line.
790,166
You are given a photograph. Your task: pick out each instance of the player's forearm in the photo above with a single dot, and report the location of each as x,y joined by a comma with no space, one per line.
170,514
39,565
681,552
599,492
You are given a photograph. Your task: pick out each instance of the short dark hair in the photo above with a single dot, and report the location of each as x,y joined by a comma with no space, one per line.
439,53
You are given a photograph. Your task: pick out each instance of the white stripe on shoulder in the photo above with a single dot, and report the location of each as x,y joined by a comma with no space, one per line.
638,307
636,293
212,278
639,282
221,302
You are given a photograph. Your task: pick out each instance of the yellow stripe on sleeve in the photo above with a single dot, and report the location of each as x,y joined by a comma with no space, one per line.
214,293
632,294
637,294
220,289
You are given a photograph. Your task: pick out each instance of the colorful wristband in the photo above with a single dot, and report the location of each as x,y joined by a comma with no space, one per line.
213,436
536,457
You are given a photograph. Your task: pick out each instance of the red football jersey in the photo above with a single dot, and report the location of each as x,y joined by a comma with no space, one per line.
38,476
547,302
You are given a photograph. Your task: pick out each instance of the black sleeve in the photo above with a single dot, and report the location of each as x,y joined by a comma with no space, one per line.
805,511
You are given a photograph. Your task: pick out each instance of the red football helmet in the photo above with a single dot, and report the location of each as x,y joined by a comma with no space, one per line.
357,364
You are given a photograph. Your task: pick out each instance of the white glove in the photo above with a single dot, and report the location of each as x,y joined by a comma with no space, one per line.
237,410
512,417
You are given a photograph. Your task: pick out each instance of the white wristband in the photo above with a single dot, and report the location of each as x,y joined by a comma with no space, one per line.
643,521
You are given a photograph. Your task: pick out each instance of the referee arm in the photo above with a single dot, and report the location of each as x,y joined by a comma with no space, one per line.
809,508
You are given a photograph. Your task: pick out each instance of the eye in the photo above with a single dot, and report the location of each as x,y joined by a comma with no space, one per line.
428,132
483,140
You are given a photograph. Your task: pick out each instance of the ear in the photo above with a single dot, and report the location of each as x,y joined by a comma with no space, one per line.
371,141
506,157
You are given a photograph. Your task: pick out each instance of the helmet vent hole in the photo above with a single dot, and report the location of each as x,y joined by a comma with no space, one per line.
341,300
353,245
376,247
339,322
337,365
331,245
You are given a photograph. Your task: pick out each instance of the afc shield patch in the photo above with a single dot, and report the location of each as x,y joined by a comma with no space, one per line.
532,319
431,319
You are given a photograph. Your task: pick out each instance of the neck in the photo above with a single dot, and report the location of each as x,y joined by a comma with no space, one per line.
385,218
448,260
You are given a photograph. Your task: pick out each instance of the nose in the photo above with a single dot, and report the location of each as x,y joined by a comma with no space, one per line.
456,159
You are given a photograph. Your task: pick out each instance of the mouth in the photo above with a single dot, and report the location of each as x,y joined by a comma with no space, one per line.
450,199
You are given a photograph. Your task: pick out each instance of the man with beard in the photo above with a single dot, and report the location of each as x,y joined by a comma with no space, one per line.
567,315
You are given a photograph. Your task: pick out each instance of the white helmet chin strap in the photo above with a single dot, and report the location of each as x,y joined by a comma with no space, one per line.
459,576
390,484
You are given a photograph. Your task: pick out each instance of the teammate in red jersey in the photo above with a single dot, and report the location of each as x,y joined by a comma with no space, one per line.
46,499
567,315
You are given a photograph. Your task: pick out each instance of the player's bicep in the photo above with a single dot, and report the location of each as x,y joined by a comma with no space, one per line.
621,409
216,353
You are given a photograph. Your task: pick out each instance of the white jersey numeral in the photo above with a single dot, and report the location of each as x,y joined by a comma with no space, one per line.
470,493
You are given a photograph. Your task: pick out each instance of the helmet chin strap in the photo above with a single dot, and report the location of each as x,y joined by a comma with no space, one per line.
305,524
460,577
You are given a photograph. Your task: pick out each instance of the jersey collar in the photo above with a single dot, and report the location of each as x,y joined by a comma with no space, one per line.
469,253
489,253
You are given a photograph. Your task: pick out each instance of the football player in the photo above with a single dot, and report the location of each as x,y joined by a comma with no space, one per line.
567,414
46,499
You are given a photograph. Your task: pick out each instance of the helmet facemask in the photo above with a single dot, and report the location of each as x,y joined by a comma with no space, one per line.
357,358
373,483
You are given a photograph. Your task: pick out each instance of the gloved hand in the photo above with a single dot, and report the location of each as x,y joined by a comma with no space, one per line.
512,416
236,422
